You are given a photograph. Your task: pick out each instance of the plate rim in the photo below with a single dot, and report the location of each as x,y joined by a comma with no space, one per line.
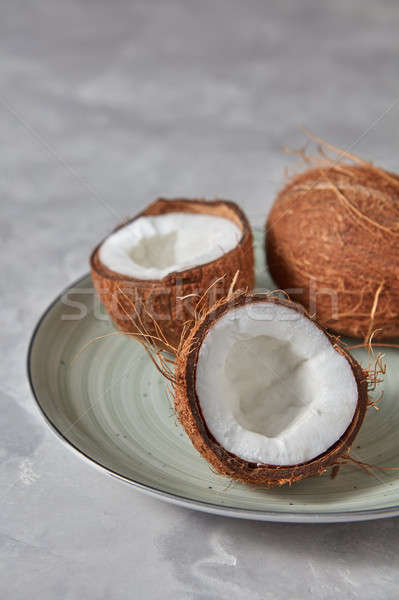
176,499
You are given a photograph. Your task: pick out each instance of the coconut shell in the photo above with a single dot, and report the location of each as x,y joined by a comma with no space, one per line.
333,243
160,308
190,415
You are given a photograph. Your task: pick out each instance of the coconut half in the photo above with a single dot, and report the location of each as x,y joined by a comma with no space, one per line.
265,395
151,271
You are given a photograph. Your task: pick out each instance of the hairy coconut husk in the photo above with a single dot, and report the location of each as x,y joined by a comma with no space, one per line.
162,307
333,243
189,412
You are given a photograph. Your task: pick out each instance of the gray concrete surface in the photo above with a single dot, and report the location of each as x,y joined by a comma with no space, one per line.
104,106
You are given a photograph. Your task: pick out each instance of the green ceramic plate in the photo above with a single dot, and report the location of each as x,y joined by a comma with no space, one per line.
111,406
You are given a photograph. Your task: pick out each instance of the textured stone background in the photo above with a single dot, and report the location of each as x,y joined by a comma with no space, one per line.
103,106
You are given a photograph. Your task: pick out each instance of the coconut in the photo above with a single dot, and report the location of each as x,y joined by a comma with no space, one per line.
150,272
333,243
264,393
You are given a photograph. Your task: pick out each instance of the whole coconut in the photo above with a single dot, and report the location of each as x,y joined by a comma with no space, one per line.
333,244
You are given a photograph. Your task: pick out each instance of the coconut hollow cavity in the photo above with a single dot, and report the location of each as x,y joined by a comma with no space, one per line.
265,395
153,246
333,243
150,272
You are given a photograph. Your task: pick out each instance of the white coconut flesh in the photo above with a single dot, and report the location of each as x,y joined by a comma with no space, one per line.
151,247
271,387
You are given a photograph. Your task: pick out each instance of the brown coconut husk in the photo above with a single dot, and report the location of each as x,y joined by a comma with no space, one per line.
181,374
333,242
162,307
